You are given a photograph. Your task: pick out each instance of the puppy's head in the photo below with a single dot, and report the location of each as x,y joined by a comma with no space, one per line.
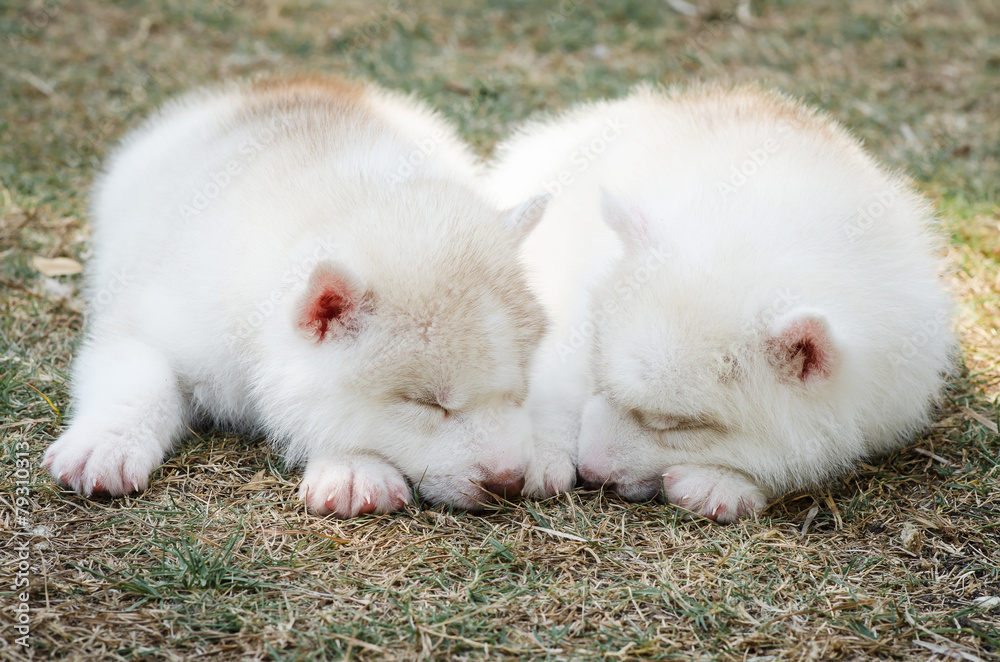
696,360
418,343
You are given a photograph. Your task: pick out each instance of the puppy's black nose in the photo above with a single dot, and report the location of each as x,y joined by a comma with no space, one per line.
506,485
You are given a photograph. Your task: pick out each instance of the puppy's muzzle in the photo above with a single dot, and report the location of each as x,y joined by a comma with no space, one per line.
506,484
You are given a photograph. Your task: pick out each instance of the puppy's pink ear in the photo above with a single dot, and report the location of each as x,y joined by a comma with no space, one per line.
331,305
801,347
629,223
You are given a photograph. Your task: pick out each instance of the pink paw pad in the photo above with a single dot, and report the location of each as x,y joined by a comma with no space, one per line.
112,464
349,489
719,494
546,478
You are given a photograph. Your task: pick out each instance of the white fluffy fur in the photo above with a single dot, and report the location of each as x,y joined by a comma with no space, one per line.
213,221
732,223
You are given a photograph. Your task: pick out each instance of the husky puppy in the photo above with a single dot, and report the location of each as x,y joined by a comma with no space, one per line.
743,301
311,259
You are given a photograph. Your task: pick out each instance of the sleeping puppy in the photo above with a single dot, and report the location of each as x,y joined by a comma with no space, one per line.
743,301
311,259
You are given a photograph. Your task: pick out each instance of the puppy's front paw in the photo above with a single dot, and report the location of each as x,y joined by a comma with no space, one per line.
549,474
719,494
353,487
103,461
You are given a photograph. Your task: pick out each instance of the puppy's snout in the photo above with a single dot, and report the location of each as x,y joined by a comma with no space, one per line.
593,480
506,485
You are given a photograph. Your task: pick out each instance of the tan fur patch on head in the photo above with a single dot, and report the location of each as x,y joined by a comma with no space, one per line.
274,96
332,87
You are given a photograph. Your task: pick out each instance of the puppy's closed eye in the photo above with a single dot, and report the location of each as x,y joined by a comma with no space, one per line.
667,422
431,405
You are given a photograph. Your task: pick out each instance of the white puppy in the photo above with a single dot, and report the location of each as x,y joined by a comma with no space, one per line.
310,259
743,301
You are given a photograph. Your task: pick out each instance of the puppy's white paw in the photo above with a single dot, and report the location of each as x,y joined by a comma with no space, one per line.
719,494
549,474
110,460
353,487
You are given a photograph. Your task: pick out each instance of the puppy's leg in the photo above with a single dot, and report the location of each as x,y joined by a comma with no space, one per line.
129,414
552,468
560,386
717,493
352,485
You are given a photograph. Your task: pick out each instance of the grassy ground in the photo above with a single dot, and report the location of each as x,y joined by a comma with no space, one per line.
218,560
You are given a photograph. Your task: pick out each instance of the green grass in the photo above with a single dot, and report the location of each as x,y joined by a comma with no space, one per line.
218,559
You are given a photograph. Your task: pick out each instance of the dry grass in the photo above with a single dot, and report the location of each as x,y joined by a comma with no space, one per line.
218,560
